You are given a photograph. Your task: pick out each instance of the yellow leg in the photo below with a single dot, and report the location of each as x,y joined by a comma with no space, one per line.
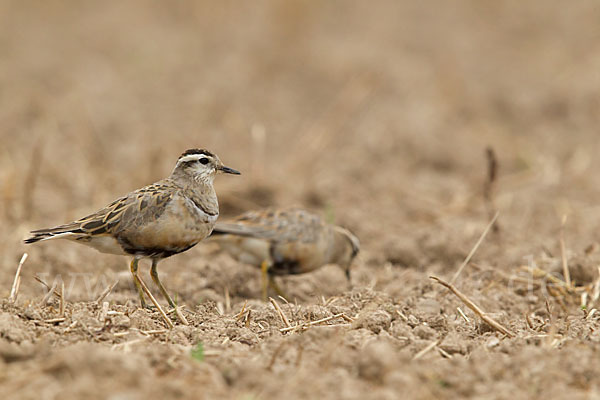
136,281
348,276
276,288
154,274
264,272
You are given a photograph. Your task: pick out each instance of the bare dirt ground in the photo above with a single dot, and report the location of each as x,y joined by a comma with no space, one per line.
375,114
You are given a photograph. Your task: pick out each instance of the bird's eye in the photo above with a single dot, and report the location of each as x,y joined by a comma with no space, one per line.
203,161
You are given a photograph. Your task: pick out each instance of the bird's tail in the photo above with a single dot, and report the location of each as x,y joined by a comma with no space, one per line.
62,231
223,228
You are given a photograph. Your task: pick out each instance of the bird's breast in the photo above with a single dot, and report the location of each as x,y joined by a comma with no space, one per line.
180,227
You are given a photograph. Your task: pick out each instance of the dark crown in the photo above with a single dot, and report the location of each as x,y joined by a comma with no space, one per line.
196,151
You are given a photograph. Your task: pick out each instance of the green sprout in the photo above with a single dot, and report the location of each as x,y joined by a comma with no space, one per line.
198,352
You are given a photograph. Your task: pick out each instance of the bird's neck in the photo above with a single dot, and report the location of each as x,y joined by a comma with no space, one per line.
187,180
200,188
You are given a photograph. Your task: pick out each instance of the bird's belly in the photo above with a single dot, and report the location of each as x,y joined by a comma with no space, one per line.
168,235
295,257
246,250
104,244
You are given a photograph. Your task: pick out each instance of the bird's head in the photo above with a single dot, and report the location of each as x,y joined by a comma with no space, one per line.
348,247
201,166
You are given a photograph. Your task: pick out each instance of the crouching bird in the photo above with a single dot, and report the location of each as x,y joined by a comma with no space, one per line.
285,242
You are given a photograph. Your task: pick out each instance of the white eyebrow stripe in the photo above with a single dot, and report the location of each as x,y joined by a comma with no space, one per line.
191,157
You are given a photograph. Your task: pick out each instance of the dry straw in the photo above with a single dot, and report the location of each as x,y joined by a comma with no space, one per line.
156,304
14,291
563,253
285,320
476,309
106,292
474,249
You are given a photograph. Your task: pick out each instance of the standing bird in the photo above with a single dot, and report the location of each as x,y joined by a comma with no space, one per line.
156,221
285,242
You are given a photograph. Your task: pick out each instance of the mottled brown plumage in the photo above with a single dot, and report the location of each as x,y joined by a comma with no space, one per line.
156,221
285,242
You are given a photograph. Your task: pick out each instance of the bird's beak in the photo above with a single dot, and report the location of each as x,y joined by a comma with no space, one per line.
228,170
348,277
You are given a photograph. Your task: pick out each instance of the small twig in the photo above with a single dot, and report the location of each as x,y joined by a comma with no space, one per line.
528,320
548,307
263,325
156,304
280,312
241,313
49,294
172,310
342,325
227,300
181,316
106,292
404,317
490,183
14,291
40,280
427,349
103,312
55,320
62,298
596,291
306,325
444,353
154,331
463,315
469,303
591,313
248,318
563,253
68,329
347,318
492,163
474,249
584,300
551,338
330,301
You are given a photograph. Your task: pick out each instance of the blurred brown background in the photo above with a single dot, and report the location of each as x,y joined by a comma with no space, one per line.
376,114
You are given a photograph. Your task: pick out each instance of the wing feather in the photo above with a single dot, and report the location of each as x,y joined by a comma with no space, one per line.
125,213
